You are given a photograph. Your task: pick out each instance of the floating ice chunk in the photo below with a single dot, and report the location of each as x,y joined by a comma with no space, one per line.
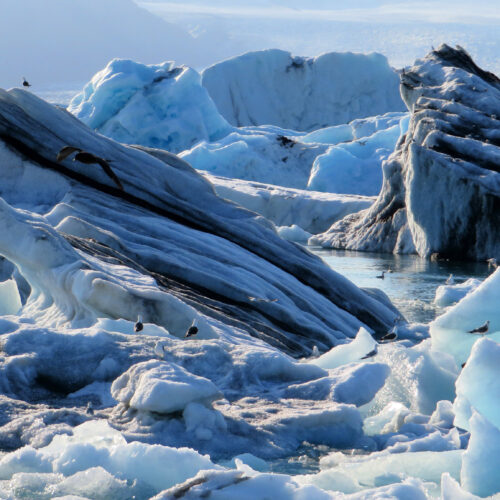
481,460
449,331
302,93
243,484
358,384
25,459
451,490
127,327
10,301
354,384
443,415
355,167
204,422
447,295
478,386
162,387
390,419
312,211
161,105
384,468
293,233
95,483
252,461
347,353
436,441
419,377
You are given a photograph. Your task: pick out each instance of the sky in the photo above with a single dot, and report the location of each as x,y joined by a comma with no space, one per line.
62,43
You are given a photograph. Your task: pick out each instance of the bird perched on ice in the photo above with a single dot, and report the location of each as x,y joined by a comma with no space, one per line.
450,280
89,159
381,276
393,332
481,330
315,351
492,263
26,83
192,330
139,325
392,335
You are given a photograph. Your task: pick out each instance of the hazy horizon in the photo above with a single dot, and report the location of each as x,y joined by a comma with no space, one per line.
57,44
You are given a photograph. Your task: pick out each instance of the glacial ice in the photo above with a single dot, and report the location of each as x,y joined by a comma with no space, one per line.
272,87
165,106
450,152
89,408
160,387
449,332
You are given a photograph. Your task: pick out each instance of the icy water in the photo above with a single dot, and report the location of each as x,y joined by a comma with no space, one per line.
411,285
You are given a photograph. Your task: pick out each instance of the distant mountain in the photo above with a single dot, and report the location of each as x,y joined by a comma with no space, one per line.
57,41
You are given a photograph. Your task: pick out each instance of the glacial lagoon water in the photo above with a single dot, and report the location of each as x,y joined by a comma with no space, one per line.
411,284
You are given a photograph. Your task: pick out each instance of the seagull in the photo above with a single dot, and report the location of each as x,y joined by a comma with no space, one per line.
381,276
492,263
481,330
192,330
89,159
371,353
26,83
392,335
450,280
138,326
315,351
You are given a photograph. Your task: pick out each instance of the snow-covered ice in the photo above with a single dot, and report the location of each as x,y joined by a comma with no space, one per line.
447,295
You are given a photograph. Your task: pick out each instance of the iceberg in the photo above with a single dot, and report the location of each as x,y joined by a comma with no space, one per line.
272,87
165,106
445,168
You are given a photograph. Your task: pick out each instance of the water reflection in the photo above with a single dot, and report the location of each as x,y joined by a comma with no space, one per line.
411,285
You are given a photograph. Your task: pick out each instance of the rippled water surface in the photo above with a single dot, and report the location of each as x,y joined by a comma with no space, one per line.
411,285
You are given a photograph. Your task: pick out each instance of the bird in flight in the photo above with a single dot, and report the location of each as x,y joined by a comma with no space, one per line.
26,83
89,159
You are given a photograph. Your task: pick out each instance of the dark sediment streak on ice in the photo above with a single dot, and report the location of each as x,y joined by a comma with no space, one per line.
441,189
164,186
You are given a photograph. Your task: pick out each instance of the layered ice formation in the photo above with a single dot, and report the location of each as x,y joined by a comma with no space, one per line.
272,87
283,388
165,106
440,192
